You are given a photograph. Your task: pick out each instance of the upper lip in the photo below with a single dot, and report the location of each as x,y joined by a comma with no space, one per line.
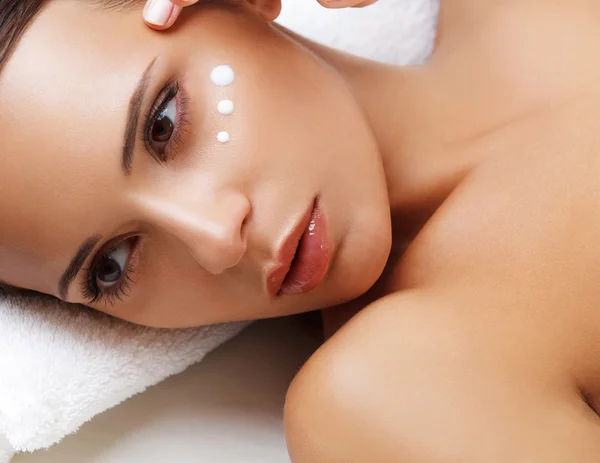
286,252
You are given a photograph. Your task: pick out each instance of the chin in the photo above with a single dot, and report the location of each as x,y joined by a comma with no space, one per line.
373,268
358,269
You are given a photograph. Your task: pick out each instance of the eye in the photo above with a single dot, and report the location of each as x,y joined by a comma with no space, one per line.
166,123
163,128
111,267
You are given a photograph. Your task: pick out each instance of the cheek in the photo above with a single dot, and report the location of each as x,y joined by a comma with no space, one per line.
213,128
261,107
172,290
222,122
240,133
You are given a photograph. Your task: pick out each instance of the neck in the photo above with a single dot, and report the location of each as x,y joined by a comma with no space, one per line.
401,105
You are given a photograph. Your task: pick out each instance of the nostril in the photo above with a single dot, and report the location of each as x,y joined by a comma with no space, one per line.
244,229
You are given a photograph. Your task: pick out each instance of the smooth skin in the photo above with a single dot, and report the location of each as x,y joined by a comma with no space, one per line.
211,218
462,199
486,347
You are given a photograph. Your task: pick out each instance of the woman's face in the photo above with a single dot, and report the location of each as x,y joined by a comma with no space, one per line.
187,230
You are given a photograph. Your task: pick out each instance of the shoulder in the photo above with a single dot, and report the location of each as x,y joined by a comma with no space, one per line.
411,379
346,397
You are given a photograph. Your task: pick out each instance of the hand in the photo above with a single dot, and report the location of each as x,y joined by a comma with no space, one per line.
162,14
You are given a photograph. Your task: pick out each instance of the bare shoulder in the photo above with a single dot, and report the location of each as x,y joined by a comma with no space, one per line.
407,380
341,402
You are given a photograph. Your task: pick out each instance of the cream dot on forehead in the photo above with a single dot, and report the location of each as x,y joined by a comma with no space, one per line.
223,137
222,75
225,107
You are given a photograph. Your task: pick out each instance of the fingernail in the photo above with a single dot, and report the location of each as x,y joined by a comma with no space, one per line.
158,12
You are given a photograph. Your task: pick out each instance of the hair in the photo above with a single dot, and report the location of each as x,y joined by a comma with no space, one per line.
15,16
5,288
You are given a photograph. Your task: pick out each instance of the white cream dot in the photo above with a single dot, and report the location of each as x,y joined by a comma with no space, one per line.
222,75
225,107
223,137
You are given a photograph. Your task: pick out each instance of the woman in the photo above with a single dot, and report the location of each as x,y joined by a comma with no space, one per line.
229,170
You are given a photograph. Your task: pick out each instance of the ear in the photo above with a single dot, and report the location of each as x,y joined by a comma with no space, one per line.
268,9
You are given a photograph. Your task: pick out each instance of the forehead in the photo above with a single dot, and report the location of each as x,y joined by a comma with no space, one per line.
63,97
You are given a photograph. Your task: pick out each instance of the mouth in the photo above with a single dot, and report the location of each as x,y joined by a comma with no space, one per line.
304,257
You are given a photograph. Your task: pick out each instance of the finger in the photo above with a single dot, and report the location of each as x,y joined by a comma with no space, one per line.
365,3
161,14
335,3
184,3
345,3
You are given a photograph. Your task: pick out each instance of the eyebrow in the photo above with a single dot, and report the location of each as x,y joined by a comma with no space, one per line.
133,116
75,265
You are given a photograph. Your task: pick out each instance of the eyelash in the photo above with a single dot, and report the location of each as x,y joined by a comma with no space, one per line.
90,289
171,90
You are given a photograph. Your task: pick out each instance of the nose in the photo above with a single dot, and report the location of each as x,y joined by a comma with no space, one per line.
210,225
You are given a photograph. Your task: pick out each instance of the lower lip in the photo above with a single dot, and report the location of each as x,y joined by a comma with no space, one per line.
311,261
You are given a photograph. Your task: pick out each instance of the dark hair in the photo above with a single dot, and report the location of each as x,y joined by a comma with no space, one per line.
15,16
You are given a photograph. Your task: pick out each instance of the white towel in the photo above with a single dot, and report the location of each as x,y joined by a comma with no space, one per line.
60,366
392,31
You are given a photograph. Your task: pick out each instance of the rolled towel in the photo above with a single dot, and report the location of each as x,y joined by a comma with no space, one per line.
62,365
6,449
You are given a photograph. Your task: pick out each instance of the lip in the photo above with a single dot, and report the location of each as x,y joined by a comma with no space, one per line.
303,258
